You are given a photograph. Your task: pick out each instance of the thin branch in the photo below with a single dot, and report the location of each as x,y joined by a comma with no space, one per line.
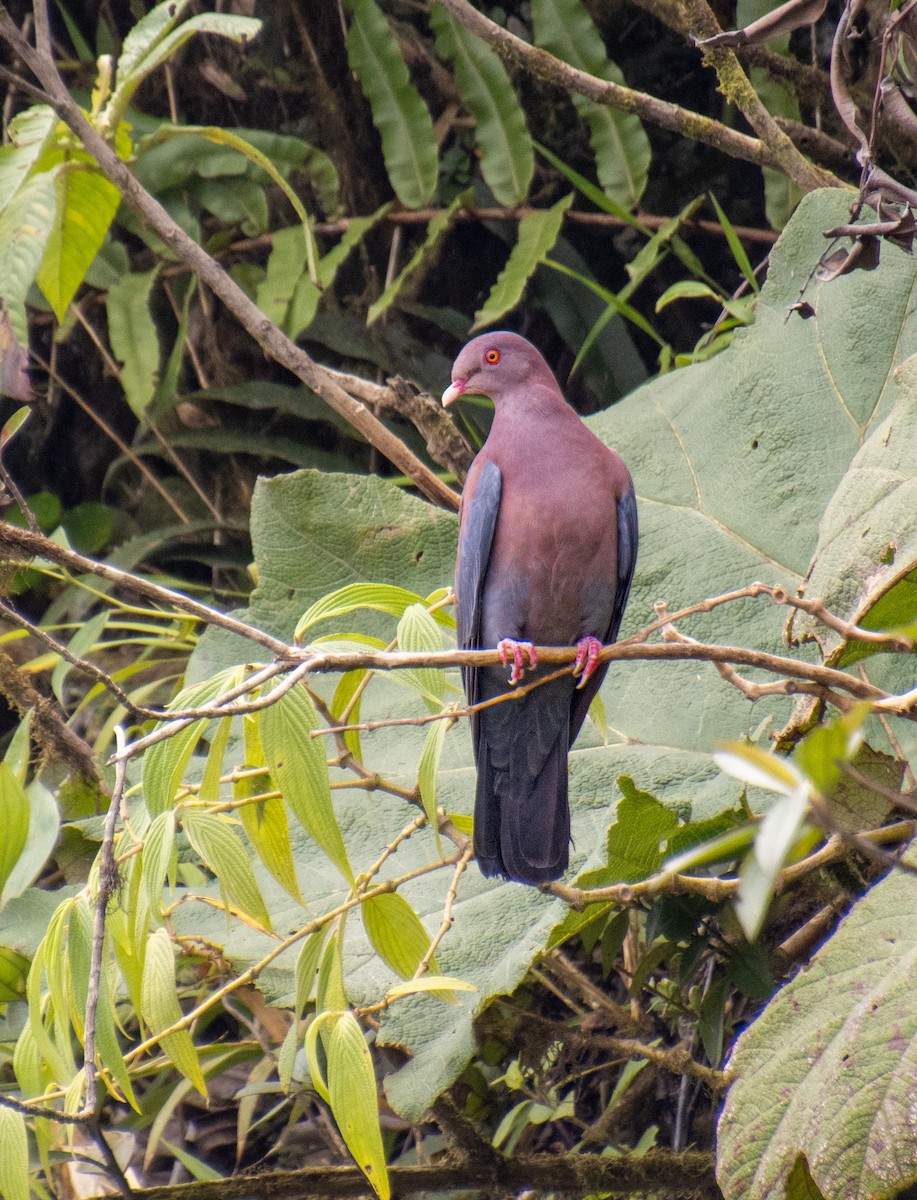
448,906
261,328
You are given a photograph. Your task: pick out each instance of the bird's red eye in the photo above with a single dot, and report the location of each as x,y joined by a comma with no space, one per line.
492,356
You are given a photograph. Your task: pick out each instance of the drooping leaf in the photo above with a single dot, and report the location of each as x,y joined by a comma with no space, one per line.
831,1062
25,226
419,633
352,1094
400,115
161,1008
85,206
134,337
15,816
29,133
538,231
422,256
620,145
43,828
396,933
221,849
14,1156
383,597
501,134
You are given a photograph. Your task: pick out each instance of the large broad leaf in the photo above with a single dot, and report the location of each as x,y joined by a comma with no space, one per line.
830,1067
620,145
399,112
733,474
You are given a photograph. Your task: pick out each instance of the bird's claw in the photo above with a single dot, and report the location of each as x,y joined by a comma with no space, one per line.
587,659
509,647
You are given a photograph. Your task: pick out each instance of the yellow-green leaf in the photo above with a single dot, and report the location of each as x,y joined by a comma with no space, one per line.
15,815
354,1102
221,849
86,203
330,993
418,632
396,933
161,1009
14,1156
441,986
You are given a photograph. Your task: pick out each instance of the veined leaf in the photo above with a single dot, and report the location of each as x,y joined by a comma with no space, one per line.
161,1008
85,206
265,822
330,992
423,254
383,597
621,147
400,115
25,227
501,134
354,1102
537,234
223,852
158,858
145,36
427,770
14,1156
164,763
15,815
306,966
418,632
300,772
134,337
347,699
438,985
209,791
29,132
44,826
396,933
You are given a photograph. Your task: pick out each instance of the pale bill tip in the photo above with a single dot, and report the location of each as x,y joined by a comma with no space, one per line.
453,391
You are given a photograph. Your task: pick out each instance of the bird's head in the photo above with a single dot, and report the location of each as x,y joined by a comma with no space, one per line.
493,365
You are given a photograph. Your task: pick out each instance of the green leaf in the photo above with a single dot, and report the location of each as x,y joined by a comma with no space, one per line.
134,337
396,933
423,255
621,148
427,769
25,227
15,815
165,762
501,134
14,1156
285,265
43,828
80,644
14,968
159,857
687,289
419,633
306,966
830,1062
299,771
352,1095
221,849
800,1185
19,749
442,986
30,132
776,838
538,231
85,206
382,597
735,245
330,991
161,1008
266,825
399,113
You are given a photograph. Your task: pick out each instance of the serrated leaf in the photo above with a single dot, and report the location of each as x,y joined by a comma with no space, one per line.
501,134
161,1008
15,816
14,1156
299,771
353,1099
85,206
422,255
400,115
396,933
621,147
221,849
25,227
538,231
831,1062
134,337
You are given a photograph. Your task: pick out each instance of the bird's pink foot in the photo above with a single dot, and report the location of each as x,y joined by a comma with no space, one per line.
510,648
587,658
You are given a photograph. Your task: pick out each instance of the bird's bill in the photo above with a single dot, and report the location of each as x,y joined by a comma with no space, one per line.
453,391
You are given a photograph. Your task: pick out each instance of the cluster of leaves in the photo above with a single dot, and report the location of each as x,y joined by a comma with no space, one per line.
363,913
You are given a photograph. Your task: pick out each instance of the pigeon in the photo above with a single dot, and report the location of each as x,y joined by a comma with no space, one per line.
546,555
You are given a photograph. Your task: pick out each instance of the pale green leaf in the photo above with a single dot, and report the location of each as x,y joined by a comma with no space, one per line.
220,847
85,206
134,337
382,597
400,115
330,990
621,147
299,770
29,132
687,289
145,36
501,134
266,825
538,231
441,986
158,858
352,1095
428,768
15,817
396,933
44,827
14,1156
209,790
774,842
419,633
18,752
25,227
161,1008
758,768
306,965
285,266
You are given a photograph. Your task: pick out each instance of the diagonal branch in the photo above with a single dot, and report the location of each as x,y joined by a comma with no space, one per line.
272,341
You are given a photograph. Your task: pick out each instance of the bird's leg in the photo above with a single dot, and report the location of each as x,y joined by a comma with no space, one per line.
587,658
507,647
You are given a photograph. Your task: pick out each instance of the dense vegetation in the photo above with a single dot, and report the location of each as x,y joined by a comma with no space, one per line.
241,926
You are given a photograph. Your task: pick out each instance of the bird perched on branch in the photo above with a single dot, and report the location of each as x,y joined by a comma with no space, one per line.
547,547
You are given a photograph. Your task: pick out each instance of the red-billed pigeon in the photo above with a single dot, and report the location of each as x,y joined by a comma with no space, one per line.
547,547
